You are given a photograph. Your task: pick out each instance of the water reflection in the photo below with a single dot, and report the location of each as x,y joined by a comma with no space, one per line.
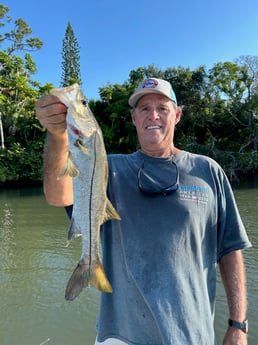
6,237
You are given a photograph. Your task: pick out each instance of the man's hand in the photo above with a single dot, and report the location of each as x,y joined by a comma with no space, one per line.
52,114
235,336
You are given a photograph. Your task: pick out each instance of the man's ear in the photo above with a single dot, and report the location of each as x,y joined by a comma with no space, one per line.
178,115
133,116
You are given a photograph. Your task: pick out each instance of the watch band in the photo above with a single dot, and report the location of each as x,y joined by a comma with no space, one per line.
243,326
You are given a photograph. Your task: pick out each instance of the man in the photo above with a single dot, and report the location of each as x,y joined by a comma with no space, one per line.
179,219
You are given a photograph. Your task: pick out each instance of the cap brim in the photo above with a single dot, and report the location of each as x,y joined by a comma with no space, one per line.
133,100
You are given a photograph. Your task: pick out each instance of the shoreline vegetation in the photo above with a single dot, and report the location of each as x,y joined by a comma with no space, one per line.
220,107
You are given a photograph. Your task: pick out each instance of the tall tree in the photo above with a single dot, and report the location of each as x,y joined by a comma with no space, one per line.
71,58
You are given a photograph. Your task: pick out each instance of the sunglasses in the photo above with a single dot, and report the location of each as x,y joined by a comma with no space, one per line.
146,183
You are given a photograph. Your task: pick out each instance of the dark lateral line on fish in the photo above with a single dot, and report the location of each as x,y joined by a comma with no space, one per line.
91,193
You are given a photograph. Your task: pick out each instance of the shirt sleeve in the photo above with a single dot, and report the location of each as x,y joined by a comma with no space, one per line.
231,232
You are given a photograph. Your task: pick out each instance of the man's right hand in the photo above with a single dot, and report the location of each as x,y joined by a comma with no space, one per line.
51,113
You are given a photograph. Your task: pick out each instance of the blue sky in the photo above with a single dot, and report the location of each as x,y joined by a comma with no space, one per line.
118,36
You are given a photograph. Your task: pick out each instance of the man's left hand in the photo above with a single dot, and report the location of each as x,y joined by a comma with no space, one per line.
235,336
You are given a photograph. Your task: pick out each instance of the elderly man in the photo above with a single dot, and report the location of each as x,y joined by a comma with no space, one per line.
179,219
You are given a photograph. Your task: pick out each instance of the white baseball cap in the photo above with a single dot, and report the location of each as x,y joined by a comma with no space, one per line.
152,85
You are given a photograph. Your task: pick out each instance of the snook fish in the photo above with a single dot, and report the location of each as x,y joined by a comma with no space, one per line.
87,164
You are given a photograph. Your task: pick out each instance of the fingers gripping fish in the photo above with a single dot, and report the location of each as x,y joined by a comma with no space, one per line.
87,164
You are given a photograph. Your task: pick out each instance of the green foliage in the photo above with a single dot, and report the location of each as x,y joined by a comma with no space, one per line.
113,115
17,38
219,113
230,79
220,106
23,136
21,163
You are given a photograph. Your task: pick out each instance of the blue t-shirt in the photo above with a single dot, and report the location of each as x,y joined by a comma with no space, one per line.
161,257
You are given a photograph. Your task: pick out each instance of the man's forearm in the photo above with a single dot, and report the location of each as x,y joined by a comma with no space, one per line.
57,188
234,279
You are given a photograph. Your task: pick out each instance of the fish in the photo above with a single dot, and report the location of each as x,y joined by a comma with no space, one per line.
87,164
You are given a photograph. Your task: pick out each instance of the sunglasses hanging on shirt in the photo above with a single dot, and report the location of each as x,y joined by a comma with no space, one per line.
160,178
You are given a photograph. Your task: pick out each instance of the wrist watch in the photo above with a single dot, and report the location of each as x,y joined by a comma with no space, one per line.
240,325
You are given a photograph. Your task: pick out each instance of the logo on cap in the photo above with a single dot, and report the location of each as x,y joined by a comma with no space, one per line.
150,84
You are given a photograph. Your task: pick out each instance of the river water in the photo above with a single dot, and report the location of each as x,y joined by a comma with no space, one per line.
35,265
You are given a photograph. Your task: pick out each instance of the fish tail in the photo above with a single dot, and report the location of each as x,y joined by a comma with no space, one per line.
85,276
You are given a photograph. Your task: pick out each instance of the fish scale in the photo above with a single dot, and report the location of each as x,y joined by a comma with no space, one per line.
88,166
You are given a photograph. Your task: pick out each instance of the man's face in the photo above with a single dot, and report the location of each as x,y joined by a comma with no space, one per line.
155,117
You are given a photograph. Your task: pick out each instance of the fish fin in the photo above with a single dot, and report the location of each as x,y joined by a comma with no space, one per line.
70,167
86,276
73,232
111,212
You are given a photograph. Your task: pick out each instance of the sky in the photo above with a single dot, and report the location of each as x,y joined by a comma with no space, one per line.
118,36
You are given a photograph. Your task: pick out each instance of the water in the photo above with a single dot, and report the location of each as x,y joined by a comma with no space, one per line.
35,266
247,200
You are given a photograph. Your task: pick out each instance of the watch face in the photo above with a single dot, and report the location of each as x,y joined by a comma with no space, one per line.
246,326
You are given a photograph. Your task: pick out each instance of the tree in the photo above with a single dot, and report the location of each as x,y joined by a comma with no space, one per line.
24,137
113,115
4,19
17,37
230,79
71,59
219,119
250,63
215,119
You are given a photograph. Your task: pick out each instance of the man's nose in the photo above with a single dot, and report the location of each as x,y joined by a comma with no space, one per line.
153,114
